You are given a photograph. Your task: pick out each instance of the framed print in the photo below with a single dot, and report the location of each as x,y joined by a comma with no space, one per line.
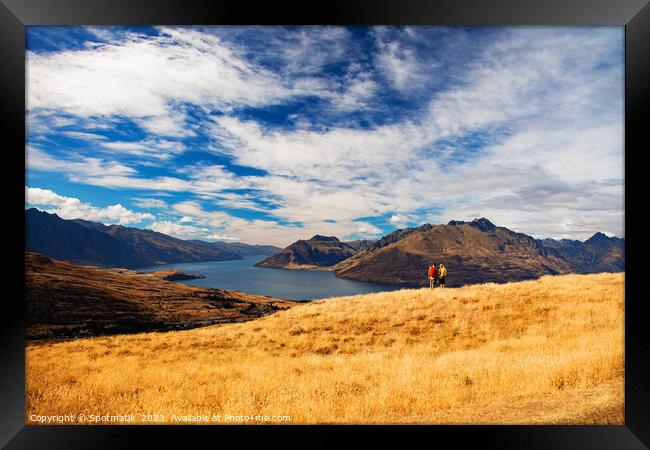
413,216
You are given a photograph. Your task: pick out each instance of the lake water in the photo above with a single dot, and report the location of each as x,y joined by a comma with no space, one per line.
242,275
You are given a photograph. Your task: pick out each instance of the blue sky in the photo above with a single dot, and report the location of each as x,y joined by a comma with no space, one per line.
273,134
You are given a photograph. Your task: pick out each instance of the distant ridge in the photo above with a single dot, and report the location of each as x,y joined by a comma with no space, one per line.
474,252
92,243
599,253
317,252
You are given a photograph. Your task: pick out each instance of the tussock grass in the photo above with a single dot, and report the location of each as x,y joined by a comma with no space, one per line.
543,351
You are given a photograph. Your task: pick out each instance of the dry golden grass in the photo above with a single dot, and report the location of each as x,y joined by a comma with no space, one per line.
543,351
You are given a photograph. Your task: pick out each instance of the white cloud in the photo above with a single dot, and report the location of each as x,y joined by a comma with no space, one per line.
76,164
121,215
119,181
107,34
156,148
360,89
399,65
257,231
338,153
221,237
73,208
177,230
367,230
144,77
307,50
204,181
84,136
153,203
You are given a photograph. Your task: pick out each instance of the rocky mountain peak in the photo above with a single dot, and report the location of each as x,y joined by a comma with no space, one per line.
321,238
482,224
598,236
601,238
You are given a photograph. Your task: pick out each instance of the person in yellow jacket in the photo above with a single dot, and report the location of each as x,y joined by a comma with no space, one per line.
442,275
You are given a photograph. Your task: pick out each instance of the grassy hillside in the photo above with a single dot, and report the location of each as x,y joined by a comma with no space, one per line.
64,300
544,351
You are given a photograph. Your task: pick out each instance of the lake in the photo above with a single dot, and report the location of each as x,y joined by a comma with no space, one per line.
242,275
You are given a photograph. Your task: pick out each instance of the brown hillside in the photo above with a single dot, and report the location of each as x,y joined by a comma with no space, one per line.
66,300
473,252
315,253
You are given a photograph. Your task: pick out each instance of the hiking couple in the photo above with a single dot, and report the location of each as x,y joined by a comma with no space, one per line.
437,275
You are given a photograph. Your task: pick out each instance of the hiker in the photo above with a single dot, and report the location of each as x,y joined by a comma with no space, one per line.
442,275
432,275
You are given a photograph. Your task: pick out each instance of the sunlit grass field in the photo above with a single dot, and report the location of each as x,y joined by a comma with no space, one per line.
543,351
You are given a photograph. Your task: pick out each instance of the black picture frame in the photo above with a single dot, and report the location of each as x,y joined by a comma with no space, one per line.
634,15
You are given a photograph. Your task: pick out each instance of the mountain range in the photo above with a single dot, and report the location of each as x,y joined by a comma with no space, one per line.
599,253
474,252
92,243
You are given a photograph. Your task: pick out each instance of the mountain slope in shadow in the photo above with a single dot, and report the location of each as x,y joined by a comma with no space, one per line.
91,243
66,300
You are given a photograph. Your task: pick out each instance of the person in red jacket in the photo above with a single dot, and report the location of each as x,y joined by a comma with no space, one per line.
432,275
